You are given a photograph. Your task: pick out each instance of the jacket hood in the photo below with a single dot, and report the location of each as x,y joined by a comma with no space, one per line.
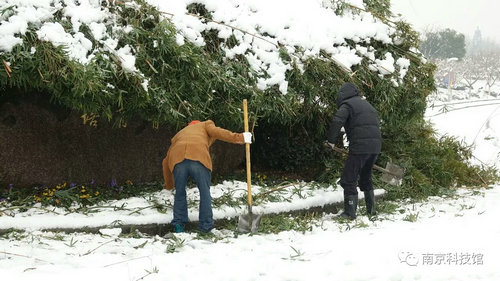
347,91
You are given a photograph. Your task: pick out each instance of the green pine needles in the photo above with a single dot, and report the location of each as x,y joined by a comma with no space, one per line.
175,83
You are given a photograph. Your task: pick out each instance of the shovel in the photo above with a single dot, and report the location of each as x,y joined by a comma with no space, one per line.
248,222
392,174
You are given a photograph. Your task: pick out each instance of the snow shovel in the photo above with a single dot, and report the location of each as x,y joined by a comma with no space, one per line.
392,174
248,222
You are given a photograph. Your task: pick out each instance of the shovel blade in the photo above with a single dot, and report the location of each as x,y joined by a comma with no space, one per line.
395,175
249,223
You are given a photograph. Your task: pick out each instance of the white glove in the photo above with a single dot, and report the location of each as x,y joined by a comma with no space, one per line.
247,136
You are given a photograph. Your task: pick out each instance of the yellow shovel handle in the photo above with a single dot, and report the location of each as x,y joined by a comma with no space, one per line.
247,151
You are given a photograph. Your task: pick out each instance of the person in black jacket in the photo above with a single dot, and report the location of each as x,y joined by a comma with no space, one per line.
361,123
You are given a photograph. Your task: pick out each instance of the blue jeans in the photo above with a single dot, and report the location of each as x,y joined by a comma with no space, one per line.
202,176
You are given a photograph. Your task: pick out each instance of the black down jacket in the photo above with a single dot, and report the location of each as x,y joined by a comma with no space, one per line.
359,119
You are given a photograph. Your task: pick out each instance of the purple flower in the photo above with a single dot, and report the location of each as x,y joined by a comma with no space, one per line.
2,199
11,186
92,182
113,183
72,184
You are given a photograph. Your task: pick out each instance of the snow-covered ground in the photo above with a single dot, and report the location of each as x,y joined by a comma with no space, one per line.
471,115
443,238
452,238
142,211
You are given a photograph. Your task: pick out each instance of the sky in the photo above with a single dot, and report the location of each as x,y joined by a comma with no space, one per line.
465,16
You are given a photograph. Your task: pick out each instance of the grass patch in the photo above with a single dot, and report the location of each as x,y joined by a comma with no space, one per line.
285,222
411,217
71,195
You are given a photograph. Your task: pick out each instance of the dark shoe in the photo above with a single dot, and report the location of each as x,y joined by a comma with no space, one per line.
350,206
178,228
370,203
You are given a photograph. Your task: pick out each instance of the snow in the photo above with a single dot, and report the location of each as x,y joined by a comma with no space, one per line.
453,238
386,66
310,25
403,64
473,117
304,28
77,45
127,58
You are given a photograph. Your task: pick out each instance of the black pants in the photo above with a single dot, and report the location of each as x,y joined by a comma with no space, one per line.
358,165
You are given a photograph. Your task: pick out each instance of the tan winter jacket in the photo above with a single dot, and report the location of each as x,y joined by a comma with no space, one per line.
193,142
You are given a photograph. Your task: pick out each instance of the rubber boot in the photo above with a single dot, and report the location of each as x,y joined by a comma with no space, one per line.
350,206
370,203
